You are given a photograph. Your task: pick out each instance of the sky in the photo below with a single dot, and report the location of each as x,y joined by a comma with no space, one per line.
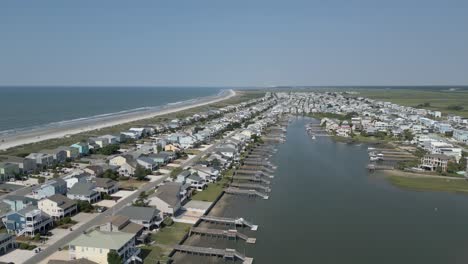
233,42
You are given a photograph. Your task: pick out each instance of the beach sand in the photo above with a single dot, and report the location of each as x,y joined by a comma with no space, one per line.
40,134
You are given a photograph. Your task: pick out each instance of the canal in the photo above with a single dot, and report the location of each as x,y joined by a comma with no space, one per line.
326,208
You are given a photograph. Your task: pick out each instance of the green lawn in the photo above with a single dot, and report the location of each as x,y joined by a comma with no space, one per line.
171,235
165,239
439,100
430,184
214,189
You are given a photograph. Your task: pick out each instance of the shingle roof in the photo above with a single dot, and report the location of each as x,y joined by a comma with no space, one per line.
62,201
82,188
139,213
102,239
169,193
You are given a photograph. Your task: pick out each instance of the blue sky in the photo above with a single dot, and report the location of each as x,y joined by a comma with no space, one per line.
233,43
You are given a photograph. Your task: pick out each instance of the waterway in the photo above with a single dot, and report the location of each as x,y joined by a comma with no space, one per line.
326,208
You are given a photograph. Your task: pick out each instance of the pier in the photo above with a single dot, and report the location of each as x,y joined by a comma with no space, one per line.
251,186
229,234
253,173
257,168
374,167
250,178
223,253
229,221
232,190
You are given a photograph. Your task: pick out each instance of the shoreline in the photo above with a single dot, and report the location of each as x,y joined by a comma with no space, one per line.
72,128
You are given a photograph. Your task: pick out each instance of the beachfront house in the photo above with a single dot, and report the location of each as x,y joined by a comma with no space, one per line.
58,155
96,245
25,165
83,148
56,186
27,221
8,171
72,153
209,174
43,160
58,206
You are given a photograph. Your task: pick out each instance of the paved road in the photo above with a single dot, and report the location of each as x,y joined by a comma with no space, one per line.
100,217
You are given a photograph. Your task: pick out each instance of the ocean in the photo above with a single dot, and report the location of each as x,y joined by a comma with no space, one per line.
24,108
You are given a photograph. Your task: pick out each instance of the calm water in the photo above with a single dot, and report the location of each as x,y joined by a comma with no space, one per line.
326,208
24,107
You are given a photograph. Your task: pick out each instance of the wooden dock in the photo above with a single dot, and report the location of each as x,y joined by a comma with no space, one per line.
229,234
251,178
253,173
251,186
374,167
227,253
233,190
229,221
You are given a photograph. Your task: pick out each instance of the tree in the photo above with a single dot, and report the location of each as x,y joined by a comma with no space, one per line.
141,173
408,135
142,200
109,149
40,179
110,174
85,206
113,257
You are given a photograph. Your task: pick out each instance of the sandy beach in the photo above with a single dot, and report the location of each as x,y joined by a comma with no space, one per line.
79,126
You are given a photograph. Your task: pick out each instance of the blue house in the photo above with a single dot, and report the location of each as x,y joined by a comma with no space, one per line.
27,221
83,148
18,202
56,186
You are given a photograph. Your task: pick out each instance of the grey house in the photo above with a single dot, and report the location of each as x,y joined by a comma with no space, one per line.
84,191
148,217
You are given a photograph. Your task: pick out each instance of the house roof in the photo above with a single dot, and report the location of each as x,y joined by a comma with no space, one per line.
102,239
117,220
169,193
82,188
104,182
132,228
62,201
139,213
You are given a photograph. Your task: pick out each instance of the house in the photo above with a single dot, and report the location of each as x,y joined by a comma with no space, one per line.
95,246
461,135
147,163
161,158
42,160
25,165
72,153
148,217
7,243
100,142
168,198
27,221
119,160
196,182
83,148
84,191
58,155
227,152
111,139
56,186
105,185
433,161
182,176
8,171
75,178
171,147
120,223
209,174
58,206
18,202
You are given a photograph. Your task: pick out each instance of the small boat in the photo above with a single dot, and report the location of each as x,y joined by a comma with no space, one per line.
313,136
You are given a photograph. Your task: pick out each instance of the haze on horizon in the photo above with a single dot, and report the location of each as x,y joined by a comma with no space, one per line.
233,43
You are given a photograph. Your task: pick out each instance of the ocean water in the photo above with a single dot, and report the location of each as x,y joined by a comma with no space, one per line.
27,107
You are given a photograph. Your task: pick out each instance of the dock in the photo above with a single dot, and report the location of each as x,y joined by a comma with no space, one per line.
257,168
253,173
232,190
229,221
251,178
374,167
227,253
251,186
229,234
